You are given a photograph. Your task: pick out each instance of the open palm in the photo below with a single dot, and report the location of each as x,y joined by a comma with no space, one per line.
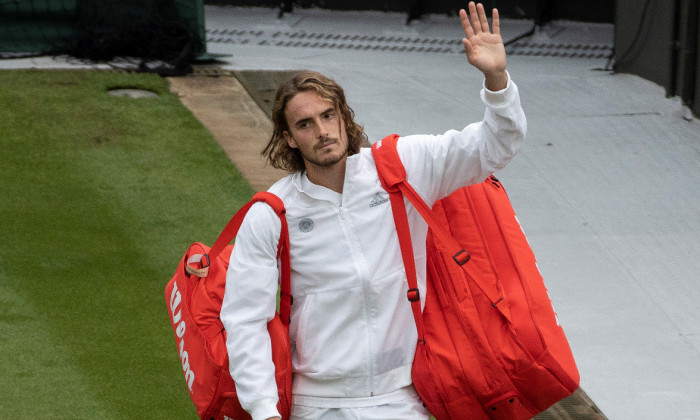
484,48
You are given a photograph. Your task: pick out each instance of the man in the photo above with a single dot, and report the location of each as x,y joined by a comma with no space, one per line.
352,330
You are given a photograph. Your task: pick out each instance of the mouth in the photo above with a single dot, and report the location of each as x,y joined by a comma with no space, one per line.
326,143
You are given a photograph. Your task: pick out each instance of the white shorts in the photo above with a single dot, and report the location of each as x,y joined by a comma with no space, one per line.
411,408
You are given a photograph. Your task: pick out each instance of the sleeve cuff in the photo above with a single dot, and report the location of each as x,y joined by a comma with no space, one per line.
264,409
497,98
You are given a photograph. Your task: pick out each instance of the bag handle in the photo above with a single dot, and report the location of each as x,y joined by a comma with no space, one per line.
231,230
392,175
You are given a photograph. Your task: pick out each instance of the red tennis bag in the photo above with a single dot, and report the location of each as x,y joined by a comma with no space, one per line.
194,297
489,342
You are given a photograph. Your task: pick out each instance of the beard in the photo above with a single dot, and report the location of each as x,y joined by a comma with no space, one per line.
321,159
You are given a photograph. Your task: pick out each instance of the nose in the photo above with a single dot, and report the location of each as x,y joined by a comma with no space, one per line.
323,129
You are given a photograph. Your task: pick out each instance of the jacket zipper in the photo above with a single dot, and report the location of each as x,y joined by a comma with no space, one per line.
364,282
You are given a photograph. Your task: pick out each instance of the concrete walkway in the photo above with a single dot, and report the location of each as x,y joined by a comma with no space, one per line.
237,123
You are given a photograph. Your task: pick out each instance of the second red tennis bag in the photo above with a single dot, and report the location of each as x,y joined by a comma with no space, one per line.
489,342
194,296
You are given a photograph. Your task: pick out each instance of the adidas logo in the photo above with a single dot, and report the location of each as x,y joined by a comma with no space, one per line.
377,200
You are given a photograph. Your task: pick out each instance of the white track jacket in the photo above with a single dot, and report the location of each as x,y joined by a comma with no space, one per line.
352,332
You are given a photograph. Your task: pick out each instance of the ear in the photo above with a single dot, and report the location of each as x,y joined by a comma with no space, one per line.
290,140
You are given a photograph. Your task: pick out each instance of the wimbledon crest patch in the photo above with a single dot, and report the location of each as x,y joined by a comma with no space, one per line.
306,225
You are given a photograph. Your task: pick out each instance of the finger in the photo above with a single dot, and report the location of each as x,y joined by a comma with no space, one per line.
465,24
467,47
496,24
476,25
481,14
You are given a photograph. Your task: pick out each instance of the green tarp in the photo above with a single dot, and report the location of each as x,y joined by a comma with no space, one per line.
37,27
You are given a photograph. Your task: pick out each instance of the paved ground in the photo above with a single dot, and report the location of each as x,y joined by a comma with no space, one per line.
241,127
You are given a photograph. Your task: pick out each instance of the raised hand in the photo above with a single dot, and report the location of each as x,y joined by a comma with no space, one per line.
484,49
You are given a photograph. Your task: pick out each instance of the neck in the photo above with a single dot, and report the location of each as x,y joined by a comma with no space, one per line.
331,177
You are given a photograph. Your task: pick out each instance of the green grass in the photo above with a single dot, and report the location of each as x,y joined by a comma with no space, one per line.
100,197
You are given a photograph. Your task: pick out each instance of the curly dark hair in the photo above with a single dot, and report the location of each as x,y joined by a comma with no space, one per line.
277,151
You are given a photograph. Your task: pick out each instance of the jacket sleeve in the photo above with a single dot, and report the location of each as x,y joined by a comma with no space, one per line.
250,300
438,165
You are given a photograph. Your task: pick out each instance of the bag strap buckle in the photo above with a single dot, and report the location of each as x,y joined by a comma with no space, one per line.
461,257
